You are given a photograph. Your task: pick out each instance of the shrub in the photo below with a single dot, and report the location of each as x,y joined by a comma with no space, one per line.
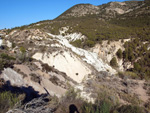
22,55
5,63
7,101
47,68
105,107
137,67
22,49
71,94
130,109
128,74
13,45
113,62
103,104
35,78
76,43
147,105
70,103
119,53
134,100
54,80
90,43
7,57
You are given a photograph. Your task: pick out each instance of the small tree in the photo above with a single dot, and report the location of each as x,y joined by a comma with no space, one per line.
125,55
137,66
22,54
119,53
90,43
113,62
22,49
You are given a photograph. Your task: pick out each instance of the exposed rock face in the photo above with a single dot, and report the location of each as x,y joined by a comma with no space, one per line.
43,86
16,79
65,62
107,50
31,34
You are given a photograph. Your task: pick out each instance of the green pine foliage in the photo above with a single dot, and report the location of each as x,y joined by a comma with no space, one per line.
137,53
77,43
113,62
119,53
130,109
7,101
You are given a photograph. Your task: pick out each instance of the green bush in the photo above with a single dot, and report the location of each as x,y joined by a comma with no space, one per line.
105,107
13,45
128,74
90,43
7,101
71,94
76,43
4,63
130,109
22,49
23,56
7,57
113,62
119,53
137,67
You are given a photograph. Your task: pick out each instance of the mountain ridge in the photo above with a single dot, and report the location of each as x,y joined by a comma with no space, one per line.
89,9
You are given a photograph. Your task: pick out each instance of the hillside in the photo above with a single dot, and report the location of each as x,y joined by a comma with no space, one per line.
90,59
105,11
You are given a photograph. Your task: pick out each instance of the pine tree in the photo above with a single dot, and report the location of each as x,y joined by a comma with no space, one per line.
113,62
119,53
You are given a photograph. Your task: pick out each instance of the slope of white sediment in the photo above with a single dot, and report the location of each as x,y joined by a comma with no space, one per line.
65,62
90,57
74,36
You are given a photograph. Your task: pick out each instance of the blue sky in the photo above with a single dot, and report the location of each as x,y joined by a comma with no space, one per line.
23,12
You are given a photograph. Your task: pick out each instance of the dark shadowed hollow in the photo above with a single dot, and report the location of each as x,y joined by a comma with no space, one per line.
73,109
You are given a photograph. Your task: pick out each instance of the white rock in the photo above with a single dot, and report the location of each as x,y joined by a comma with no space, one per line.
90,57
9,44
65,62
1,41
13,77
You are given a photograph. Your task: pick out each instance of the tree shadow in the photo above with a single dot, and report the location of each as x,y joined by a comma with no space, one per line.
29,92
73,109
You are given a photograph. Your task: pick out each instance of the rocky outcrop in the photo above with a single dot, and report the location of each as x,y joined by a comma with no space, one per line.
65,62
39,82
107,50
